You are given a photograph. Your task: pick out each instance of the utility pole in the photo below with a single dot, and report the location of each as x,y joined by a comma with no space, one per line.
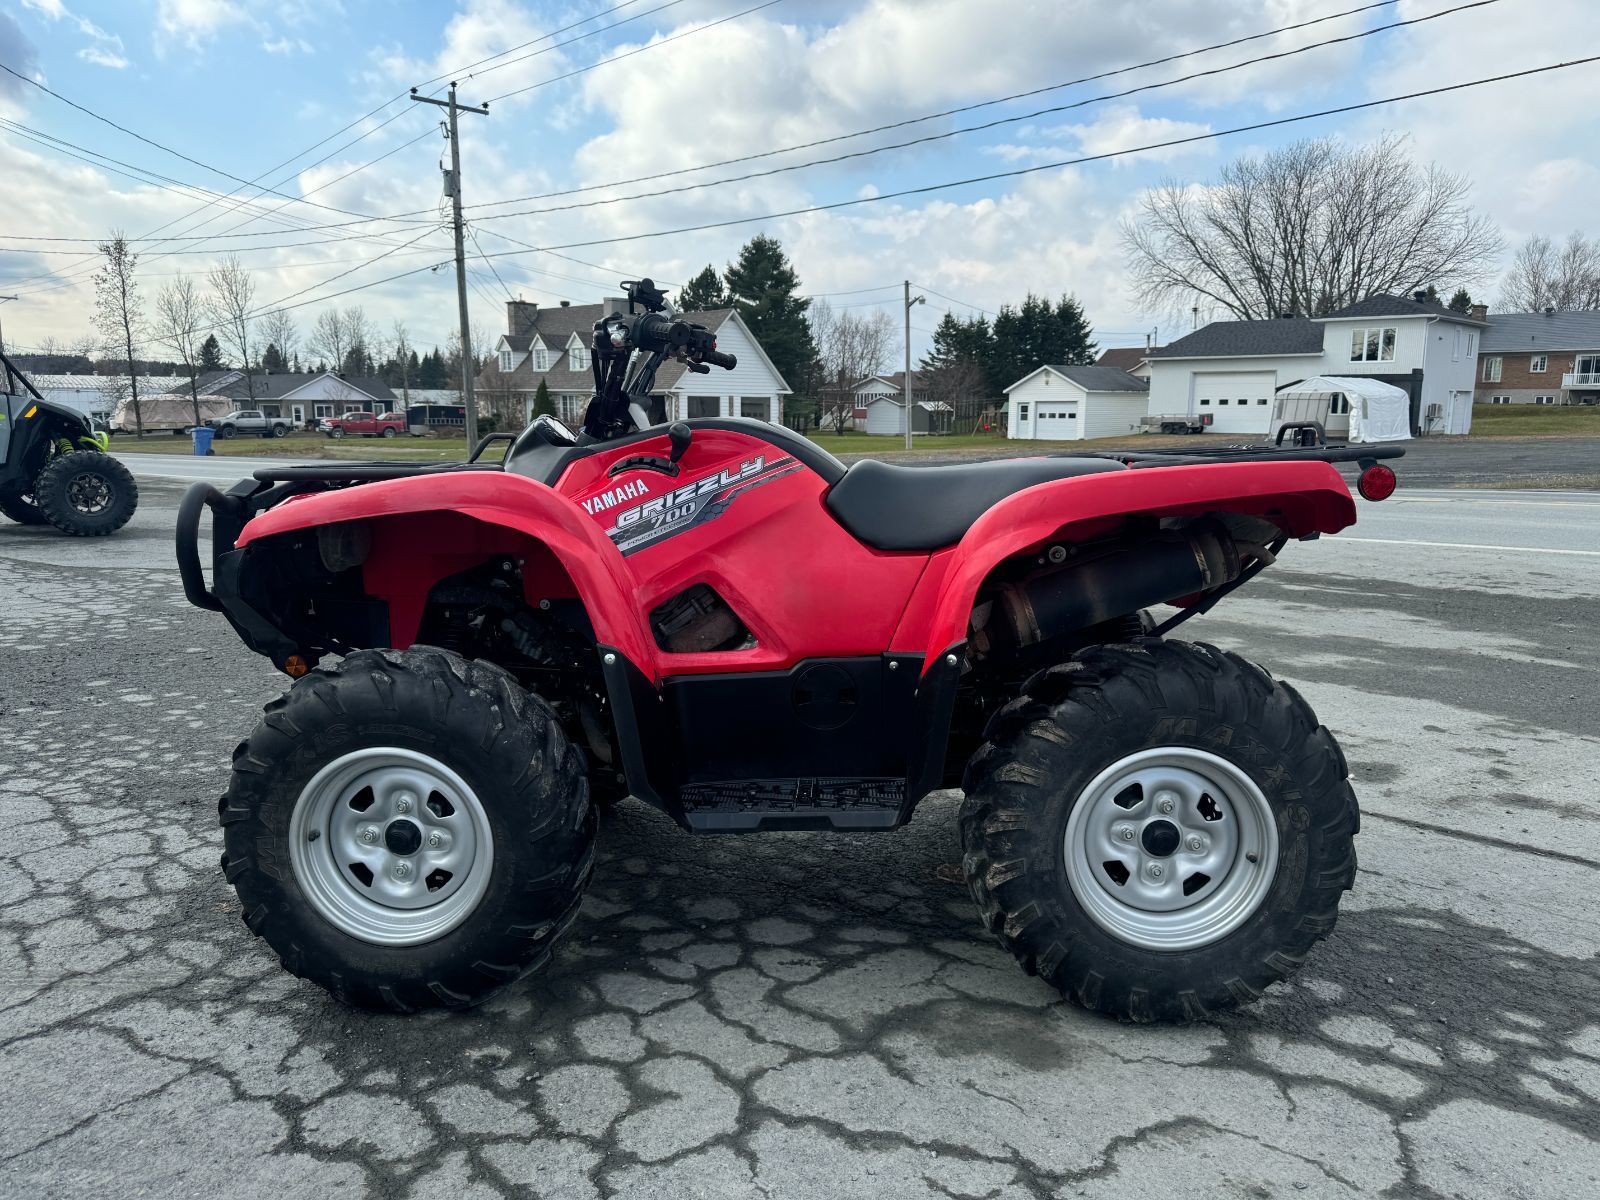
909,303
3,299
469,399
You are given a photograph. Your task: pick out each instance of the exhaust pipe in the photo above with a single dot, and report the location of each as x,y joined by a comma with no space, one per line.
1073,597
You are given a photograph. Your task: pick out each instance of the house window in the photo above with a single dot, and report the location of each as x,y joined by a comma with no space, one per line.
1472,344
1022,412
1539,364
580,357
704,406
1205,402
1499,399
1263,400
1455,345
541,360
1544,399
1491,369
505,362
322,410
1372,345
757,407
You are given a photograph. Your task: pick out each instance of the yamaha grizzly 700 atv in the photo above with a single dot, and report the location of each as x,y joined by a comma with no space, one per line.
718,618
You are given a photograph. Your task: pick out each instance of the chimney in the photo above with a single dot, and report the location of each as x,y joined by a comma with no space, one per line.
1550,311
566,304
521,315
1420,297
1479,312
613,304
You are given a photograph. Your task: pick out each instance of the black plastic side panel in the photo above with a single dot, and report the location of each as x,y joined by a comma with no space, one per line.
833,717
649,758
936,701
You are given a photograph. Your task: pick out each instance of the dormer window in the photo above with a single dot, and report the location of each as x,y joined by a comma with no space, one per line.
541,359
579,356
505,362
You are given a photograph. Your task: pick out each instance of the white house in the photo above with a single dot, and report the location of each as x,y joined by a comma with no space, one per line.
1065,402
1231,370
552,345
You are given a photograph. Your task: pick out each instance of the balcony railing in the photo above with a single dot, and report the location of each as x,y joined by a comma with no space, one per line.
1581,380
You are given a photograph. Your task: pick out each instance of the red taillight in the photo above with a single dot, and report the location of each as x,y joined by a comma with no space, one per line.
1377,482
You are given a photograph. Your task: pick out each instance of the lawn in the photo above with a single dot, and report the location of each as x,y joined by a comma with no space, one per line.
1536,420
307,445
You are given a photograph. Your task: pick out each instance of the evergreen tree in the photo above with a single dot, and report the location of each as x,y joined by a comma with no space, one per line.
1027,338
764,288
431,371
211,354
1461,302
543,406
1430,294
704,291
271,360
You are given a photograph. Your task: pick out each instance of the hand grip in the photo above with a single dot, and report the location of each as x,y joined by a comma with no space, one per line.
718,359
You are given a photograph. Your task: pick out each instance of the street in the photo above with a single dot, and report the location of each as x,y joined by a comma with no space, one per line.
803,1015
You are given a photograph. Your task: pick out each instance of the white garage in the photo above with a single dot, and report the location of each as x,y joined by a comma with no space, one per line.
1072,403
1238,401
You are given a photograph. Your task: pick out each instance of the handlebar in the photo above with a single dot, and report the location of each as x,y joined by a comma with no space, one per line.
718,359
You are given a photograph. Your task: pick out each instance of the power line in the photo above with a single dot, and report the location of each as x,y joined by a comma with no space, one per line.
949,112
935,137
1066,162
648,46
571,41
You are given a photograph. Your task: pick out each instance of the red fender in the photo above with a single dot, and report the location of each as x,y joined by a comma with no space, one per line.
427,527
1300,497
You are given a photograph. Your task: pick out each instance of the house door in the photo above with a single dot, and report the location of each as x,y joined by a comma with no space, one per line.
299,412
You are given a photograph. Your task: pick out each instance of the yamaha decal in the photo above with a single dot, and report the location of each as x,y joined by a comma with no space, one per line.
687,506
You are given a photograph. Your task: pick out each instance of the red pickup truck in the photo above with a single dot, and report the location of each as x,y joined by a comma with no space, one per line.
389,424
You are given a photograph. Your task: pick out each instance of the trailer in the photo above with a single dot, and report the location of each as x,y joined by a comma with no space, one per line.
1176,423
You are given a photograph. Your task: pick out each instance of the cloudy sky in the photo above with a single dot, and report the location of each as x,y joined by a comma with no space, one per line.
305,98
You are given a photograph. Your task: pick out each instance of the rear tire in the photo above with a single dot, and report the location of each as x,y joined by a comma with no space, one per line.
22,510
388,431
515,824
279,431
1243,768
86,493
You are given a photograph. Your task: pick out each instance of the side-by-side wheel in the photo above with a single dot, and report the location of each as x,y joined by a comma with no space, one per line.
86,493
1158,829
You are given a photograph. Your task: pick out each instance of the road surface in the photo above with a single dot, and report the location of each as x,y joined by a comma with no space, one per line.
820,1016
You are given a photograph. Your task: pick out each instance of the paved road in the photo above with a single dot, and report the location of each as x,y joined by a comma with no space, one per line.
805,1016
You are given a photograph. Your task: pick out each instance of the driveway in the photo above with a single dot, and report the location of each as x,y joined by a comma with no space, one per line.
800,1015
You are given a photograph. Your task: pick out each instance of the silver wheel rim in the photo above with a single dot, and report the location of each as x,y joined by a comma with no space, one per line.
391,846
1214,877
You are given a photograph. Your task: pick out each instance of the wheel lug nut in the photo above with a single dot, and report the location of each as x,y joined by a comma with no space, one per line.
402,870
1127,833
403,802
1155,871
435,840
1165,804
1193,843
369,835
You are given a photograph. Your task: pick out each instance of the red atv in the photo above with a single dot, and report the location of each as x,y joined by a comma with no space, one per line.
720,619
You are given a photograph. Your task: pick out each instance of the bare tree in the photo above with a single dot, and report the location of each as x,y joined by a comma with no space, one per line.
1544,275
328,340
119,312
180,315
232,293
1307,229
279,329
850,347
362,337
402,358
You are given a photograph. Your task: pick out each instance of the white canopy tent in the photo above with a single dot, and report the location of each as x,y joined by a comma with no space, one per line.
1375,411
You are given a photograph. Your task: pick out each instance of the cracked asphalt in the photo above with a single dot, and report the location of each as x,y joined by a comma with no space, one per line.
820,1016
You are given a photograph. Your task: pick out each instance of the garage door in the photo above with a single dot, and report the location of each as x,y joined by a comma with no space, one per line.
1056,421
1237,403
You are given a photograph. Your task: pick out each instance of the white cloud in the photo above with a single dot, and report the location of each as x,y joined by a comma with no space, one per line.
54,9
193,22
288,45
103,58
1123,127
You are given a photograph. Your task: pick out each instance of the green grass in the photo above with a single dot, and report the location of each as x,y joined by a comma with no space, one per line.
1535,420
1552,483
306,445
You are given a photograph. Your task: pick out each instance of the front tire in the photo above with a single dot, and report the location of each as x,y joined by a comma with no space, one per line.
227,431
1160,829
86,493
408,830
336,432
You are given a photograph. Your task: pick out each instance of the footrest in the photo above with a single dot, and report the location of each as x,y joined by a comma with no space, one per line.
748,805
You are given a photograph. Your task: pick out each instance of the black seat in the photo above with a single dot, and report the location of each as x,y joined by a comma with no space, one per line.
926,508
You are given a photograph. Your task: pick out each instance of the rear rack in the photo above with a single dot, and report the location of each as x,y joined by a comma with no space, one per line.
1206,456
365,472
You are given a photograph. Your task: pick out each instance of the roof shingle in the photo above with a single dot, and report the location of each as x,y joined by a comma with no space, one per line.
1247,339
1510,332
